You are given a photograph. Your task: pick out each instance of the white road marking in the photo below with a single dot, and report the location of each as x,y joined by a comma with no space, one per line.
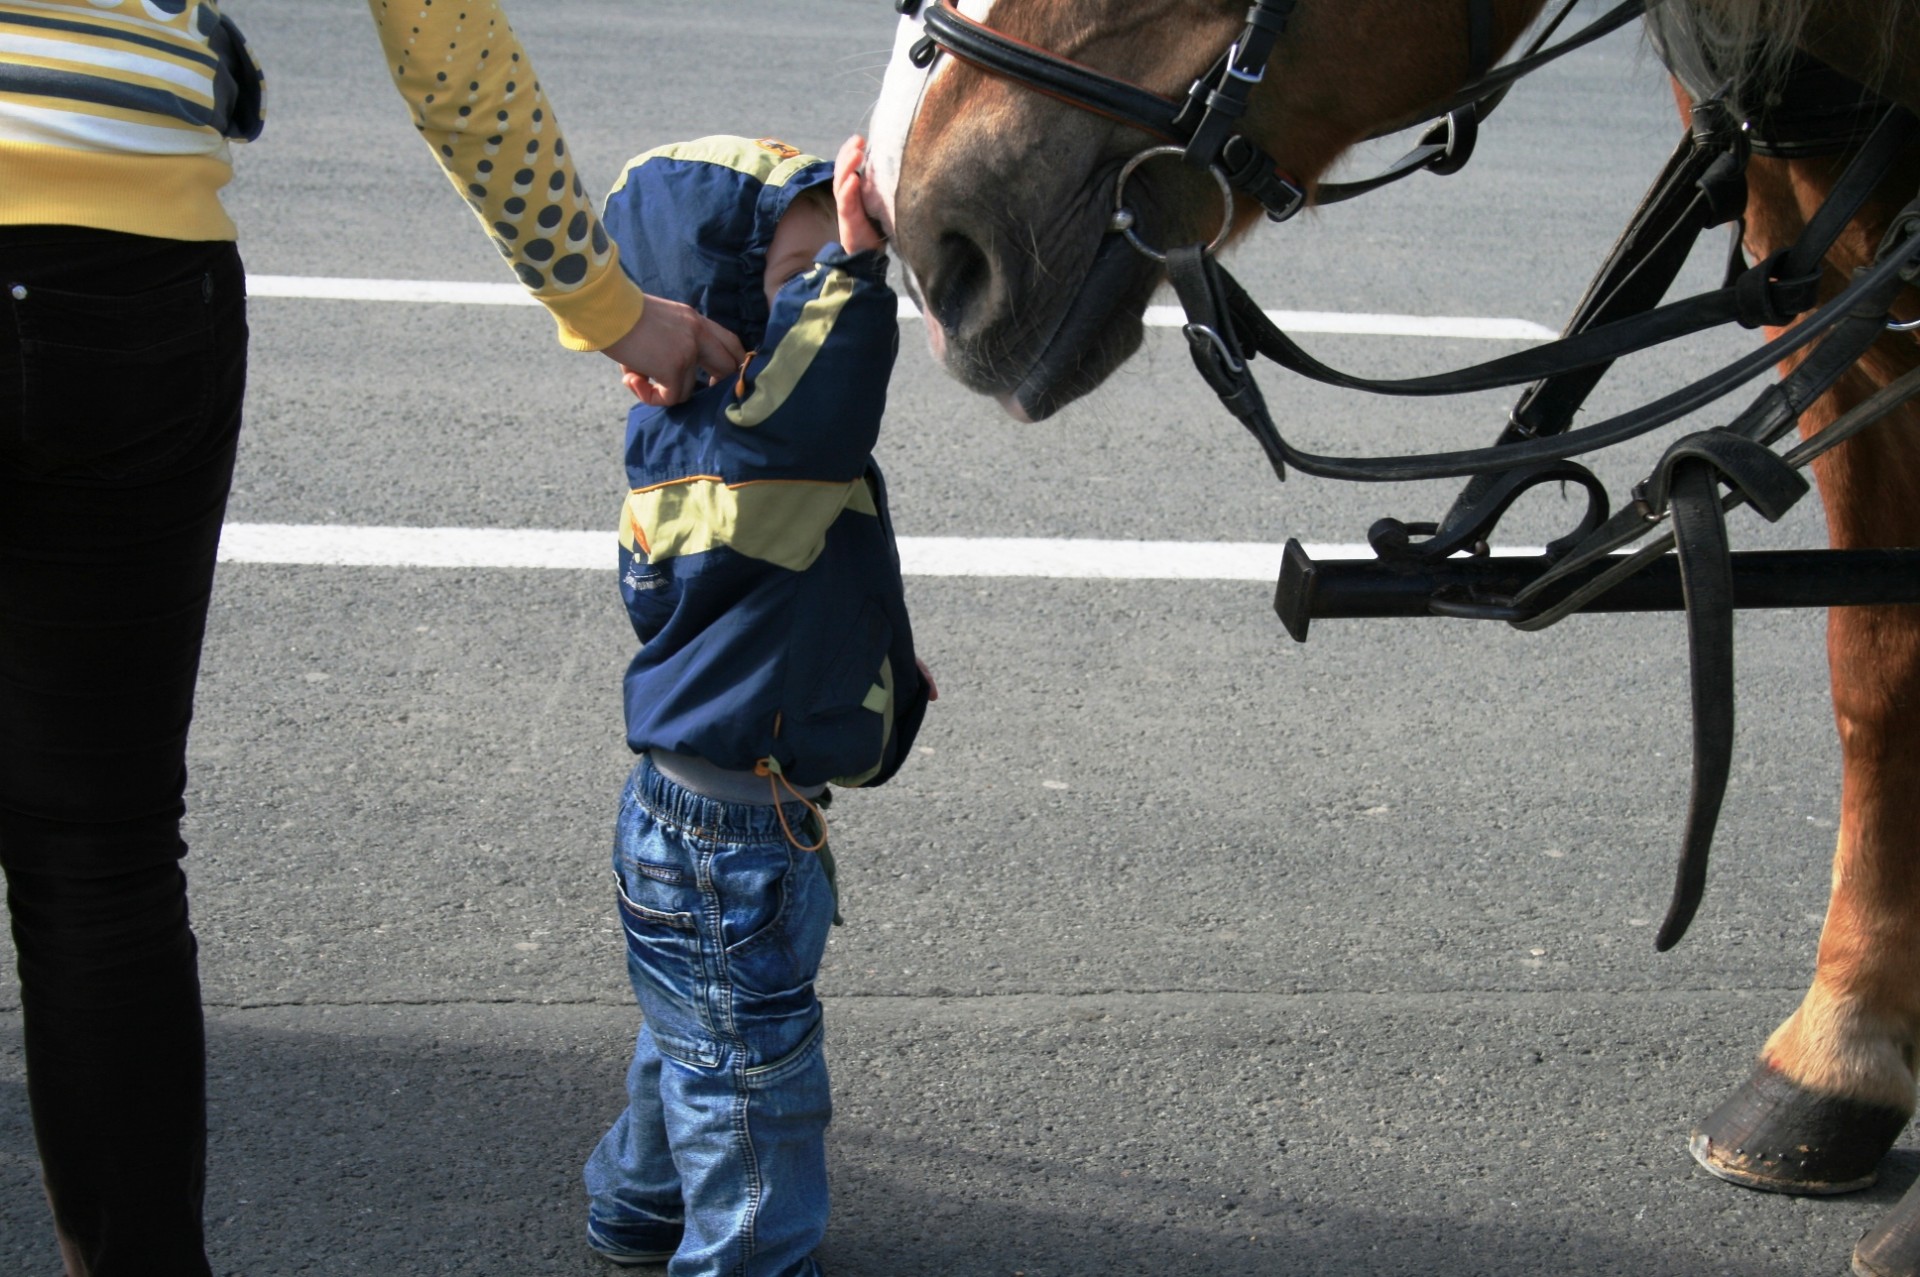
1329,321
334,545
328,288
460,293
1062,559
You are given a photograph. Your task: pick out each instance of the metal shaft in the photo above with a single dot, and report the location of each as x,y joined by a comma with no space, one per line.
1353,588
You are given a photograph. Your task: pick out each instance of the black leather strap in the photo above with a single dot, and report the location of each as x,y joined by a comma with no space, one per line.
1479,38
1815,111
1217,100
1687,485
1471,521
1214,342
1706,582
1437,150
1876,157
1502,78
1685,200
1448,142
1773,412
1875,288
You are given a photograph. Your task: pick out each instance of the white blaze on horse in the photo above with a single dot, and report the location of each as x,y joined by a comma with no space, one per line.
1001,192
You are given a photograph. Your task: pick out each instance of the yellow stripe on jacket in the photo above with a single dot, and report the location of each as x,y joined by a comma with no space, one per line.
782,522
795,353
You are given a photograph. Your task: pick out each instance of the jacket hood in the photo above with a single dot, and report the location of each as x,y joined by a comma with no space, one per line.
693,221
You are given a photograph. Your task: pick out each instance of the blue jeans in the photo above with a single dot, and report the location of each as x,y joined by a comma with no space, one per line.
720,1157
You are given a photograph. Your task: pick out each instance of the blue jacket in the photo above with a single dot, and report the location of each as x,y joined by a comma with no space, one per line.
756,557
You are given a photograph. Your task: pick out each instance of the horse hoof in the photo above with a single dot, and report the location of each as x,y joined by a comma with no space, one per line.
1892,1247
1779,1137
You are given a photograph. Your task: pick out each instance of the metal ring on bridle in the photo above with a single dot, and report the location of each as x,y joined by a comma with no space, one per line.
1124,219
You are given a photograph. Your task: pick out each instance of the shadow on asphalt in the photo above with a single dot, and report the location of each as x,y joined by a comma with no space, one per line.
414,1140
1199,1229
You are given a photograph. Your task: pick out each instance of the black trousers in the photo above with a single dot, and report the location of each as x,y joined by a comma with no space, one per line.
122,368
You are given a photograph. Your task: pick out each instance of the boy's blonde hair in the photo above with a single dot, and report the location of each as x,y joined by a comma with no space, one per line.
820,198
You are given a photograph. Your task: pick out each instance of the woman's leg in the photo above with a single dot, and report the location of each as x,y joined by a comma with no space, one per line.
121,377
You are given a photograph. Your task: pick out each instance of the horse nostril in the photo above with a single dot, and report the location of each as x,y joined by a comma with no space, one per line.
960,275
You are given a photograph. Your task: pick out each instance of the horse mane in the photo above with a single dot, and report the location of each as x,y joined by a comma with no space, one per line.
1761,34
1735,31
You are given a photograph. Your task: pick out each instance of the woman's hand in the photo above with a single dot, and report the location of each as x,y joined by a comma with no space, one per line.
663,356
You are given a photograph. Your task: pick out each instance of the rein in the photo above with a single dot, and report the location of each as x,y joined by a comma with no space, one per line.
1702,185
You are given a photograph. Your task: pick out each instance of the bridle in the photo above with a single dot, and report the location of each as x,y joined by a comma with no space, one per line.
1681,504
1202,128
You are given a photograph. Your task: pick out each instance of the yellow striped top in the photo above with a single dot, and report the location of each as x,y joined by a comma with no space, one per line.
111,116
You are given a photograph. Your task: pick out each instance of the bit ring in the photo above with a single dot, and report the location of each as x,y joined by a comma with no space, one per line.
1124,219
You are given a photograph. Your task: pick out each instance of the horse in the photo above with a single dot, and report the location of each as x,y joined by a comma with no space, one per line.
1000,201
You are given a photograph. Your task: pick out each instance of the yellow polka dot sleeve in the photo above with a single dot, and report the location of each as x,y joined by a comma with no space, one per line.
478,104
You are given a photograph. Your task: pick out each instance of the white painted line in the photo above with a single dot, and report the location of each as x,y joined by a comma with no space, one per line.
1326,321
454,292
1060,559
370,547
1088,559
459,293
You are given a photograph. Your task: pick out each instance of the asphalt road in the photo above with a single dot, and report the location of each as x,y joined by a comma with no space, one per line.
1181,950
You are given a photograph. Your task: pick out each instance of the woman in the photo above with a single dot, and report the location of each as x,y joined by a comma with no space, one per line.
122,369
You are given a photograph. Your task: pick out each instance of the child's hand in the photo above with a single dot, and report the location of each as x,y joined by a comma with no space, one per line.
859,232
926,676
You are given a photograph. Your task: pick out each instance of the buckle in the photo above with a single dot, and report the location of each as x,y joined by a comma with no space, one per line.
1233,67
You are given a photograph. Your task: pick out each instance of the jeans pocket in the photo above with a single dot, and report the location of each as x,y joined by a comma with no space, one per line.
773,968
647,918
669,980
111,386
804,1056
750,883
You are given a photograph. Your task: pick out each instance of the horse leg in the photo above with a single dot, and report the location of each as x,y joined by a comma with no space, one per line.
1855,1034
1835,1083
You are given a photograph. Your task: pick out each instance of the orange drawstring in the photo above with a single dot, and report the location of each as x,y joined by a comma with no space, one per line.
771,770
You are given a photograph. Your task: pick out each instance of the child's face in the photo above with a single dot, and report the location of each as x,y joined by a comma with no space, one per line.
803,230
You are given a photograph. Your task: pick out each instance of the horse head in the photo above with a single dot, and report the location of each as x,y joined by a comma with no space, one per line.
1001,199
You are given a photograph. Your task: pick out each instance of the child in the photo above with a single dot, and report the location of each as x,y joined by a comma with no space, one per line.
759,569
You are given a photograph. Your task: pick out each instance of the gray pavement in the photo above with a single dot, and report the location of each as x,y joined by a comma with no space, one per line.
1180,950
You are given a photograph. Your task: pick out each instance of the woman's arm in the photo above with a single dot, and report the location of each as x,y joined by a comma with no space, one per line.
479,105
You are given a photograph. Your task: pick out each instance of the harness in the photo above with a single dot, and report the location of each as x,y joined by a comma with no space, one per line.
1679,506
